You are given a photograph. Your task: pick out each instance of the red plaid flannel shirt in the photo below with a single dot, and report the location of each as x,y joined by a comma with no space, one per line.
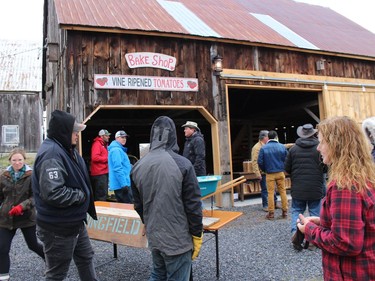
346,234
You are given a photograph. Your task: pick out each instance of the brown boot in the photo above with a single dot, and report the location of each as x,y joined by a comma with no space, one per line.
285,214
270,216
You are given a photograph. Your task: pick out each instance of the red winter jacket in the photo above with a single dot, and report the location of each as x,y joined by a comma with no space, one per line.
99,157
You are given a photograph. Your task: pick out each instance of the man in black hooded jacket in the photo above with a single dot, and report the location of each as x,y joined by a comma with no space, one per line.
306,169
168,199
63,197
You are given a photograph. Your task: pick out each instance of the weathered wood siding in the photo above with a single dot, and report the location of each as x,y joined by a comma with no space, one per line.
87,54
24,110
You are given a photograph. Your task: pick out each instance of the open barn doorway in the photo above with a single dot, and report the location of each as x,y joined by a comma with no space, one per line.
136,121
254,109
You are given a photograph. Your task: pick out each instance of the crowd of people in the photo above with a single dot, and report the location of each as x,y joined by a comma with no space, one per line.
332,179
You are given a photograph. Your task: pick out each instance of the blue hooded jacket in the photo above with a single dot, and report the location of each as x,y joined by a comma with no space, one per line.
119,166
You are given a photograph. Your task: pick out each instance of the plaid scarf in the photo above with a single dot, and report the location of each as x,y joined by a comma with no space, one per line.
17,175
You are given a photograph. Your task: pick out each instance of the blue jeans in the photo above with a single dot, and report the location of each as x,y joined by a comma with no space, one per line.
299,207
264,192
171,268
59,251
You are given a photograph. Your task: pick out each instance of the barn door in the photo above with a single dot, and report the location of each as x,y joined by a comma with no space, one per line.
356,102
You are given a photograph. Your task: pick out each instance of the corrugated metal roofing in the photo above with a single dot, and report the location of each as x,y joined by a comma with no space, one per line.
20,66
187,19
316,27
285,31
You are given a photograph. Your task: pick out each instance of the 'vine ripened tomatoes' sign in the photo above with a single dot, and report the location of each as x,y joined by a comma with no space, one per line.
155,60
156,83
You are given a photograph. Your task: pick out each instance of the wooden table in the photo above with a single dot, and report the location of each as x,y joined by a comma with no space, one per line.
224,217
118,223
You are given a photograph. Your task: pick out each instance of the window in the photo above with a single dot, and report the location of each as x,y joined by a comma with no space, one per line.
10,135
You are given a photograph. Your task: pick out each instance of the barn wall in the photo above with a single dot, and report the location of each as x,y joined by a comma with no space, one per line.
86,54
24,110
351,101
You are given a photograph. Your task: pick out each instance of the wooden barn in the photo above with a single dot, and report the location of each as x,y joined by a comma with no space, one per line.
233,66
21,116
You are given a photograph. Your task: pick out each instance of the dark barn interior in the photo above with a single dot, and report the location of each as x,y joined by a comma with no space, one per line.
250,111
137,124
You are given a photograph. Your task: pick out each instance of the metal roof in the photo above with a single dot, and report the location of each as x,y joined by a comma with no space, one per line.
20,66
285,23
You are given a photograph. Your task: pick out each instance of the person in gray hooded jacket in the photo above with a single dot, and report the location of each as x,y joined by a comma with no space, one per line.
167,197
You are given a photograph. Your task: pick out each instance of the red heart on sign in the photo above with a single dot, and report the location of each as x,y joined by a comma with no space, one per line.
102,81
192,84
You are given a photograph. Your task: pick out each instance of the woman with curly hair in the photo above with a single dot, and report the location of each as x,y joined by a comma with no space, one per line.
345,230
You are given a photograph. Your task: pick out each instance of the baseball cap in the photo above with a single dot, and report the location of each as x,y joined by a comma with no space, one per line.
78,127
121,134
103,132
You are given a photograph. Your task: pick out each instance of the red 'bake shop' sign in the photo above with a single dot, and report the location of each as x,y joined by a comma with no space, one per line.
156,83
155,60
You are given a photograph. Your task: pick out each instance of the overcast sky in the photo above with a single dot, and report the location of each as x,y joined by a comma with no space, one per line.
359,11
23,19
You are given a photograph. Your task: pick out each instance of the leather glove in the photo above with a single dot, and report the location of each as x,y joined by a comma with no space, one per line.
298,241
197,244
16,211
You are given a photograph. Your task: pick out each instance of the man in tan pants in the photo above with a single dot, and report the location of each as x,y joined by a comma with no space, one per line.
271,160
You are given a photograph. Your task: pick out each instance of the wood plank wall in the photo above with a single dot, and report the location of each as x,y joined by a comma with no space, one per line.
90,53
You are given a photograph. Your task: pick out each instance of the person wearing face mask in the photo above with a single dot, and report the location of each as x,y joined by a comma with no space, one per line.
17,210
345,229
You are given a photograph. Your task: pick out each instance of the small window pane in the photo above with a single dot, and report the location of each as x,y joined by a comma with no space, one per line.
10,135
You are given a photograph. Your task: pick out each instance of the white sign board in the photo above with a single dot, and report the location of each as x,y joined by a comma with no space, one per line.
156,83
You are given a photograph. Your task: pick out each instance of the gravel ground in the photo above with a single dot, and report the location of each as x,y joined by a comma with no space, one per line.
251,248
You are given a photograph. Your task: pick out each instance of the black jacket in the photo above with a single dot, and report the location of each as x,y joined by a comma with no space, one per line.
195,151
166,192
304,164
60,181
